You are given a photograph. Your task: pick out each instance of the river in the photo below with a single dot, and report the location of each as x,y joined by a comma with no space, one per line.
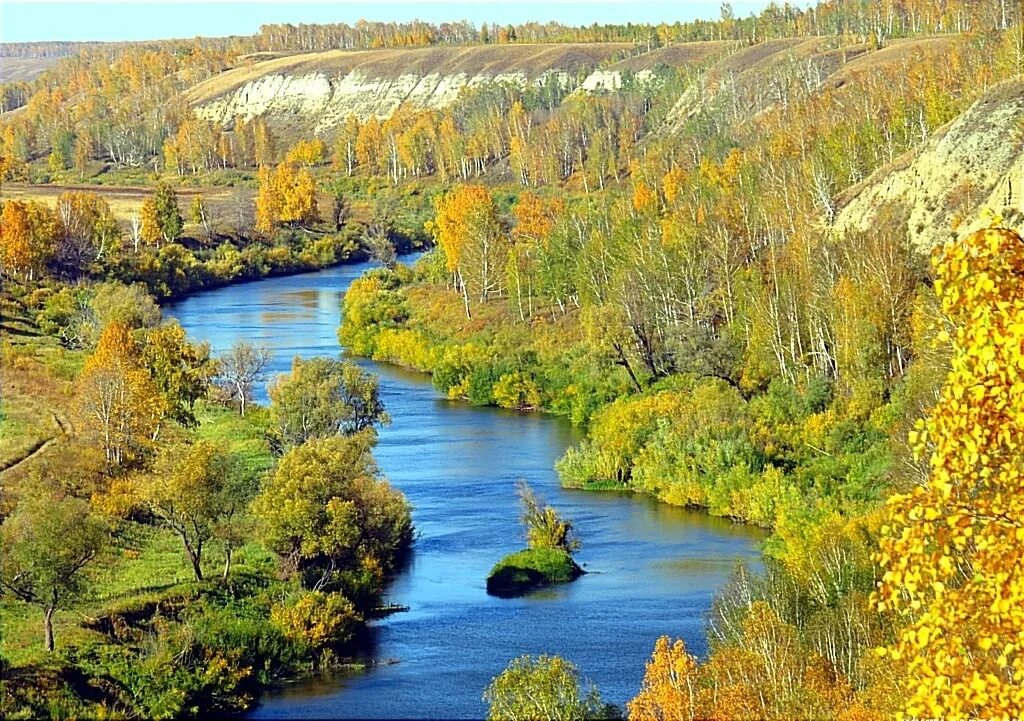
652,569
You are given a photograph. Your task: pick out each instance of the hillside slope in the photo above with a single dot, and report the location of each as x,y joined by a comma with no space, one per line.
312,93
939,191
752,79
319,90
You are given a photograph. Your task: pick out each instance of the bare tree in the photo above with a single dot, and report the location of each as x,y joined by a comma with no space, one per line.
378,242
242,211
242,367
135,221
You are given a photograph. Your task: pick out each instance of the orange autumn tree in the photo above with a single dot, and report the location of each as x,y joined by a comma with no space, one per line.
534,219
469,231
766,674
118,403
953,549
27,237
307,153
670,684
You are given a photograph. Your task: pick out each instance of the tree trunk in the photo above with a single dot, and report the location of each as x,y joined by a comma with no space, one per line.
48,626
195,557
227,562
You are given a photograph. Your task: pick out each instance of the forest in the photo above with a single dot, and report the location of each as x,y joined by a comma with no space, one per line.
673,263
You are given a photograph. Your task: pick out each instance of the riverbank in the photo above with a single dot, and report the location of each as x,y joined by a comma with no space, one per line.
457,465
152,634
762,456
144,607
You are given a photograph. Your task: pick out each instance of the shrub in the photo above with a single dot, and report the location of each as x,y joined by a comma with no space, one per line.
518,391
317,620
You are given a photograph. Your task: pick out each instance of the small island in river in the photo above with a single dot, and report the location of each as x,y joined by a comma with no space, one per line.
548,559
525,570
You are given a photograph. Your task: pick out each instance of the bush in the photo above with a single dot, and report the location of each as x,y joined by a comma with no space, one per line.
317,620
518,391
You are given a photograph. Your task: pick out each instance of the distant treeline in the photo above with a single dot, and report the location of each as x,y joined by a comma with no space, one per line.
891,18
888,18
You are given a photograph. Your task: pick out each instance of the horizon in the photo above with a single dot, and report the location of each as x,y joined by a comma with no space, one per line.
33,22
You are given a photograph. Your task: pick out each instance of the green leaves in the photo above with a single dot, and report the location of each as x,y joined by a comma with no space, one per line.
325,512
322,397
545,687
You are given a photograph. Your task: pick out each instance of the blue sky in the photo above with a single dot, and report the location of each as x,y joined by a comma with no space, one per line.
27,21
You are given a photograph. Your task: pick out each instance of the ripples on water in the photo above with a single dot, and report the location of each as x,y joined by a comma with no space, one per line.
652,568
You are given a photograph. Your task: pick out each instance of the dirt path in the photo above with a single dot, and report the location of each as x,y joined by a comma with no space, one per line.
40,447
109,191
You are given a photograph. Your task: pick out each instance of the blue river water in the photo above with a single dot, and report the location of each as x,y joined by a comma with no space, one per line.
652,569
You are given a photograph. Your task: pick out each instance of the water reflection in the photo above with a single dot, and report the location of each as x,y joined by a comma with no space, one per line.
652,569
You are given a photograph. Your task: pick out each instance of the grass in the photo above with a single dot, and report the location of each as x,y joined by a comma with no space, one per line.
144,565
245,437
32,391
125,200
603,484
532,568
23,70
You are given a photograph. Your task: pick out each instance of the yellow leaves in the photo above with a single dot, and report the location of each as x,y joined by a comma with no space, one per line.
645,200
316,618
307,153
673,183
992,218
287,194
27,232
535,218
951,550
119,404
669,687
453,222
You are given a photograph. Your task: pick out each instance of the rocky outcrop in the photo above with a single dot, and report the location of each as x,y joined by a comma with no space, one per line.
326,101
975,162
315,92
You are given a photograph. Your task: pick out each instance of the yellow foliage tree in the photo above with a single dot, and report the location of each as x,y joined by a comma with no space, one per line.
150,231
27,236
670,685
469,232
286,194
119,404
953,548
307,152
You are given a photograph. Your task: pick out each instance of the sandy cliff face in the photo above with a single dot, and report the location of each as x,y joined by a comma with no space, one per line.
975,162
326,101
315,92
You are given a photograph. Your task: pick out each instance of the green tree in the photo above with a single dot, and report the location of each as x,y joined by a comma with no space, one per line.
189,492
78,314
168,215
322,397
180,369
129,305
326,513
44,545
545,687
